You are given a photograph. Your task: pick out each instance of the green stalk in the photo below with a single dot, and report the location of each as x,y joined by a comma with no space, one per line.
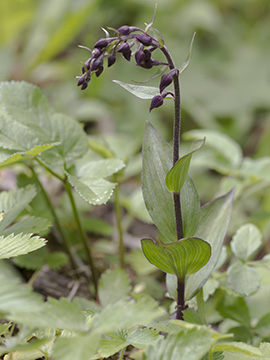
121,354
119,225
82,235
201,306
56,220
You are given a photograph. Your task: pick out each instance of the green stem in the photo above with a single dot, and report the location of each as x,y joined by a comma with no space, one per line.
49,170
82,235
56,220
201,306
119,225
121,354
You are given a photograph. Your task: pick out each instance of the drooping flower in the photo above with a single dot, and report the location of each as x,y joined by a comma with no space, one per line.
156,102
125,50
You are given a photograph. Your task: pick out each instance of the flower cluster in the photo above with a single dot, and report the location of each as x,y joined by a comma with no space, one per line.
128,41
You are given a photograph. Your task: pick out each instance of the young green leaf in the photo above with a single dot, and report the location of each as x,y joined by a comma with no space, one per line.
142,92
186,63
246,241
113,285
243,279
176,177
181,258
213,224
240,348
190,205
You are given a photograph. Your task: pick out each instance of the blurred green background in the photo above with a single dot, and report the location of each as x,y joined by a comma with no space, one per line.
226,87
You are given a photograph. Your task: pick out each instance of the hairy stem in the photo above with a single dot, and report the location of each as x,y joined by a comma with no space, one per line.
176,196
82,235
119,226
56,220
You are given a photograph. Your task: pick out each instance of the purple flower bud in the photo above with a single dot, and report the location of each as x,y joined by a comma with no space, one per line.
96,64
145,39
166,80
124,30
125,50
101,43
143,59
156,102
81,79
87,63
111,59
84,86
83,69
95,53
99,71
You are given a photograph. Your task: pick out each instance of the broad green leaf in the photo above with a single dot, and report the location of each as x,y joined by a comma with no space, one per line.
25,355
190,205
265,349
123,314
176,177
60,314
181,258
243,279
4,328
191,344
99,168
246,241
14,245
238,347
213,224
234,308
80,347
139,263
142,92
221,143
186,63
263,326
13,202
113,285
15,296
256,169
157,161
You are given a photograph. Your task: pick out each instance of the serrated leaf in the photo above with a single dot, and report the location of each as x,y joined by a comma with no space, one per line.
60,314
157,161
122,315
77,347
30,225
238,347
19,244
142,92
99,168
246,241
15,296
190,344
181,258
221,143
243,279
212,227
13,202
186,63
113,285
176,177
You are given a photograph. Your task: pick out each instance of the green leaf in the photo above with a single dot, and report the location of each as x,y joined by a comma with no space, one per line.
234,308
142,92
157,160
246,241
113,285
60,314
17,297
139,263
80,347
221,143
238,347
191,344
176,177
243,279
19,244
13,202
123,314
89,182
25,355
213,224
263,326
30,225
190,205
181,258
186,63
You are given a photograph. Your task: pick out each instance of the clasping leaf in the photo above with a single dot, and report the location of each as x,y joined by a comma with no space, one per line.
181,258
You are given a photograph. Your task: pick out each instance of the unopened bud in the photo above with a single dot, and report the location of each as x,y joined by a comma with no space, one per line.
111,60
101,43
96,52
124,30
143,59
145,39
166,80
96,64
99,71
81,79
156,102
125,50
